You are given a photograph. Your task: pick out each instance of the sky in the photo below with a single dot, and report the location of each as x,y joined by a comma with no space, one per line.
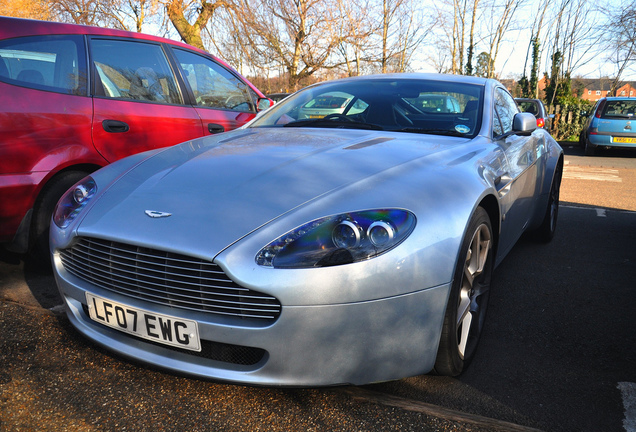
512,56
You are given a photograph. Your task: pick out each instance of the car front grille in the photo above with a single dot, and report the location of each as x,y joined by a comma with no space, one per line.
166,278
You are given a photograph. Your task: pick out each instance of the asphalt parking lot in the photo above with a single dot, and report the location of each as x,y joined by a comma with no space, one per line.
556,354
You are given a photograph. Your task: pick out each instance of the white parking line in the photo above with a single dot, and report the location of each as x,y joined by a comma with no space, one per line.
589,173
628,390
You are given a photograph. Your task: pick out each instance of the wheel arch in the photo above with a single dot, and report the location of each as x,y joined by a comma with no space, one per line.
491,205
85,167
22,239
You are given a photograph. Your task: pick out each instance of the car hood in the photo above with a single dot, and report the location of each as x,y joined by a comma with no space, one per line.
219,189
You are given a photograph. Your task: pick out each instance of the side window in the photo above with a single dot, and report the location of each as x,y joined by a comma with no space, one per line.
133,70
506,109
213,85
52,63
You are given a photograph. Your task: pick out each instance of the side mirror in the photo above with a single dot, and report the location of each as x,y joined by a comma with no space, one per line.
263,104
524,123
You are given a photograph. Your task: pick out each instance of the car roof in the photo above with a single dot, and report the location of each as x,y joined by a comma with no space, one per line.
620,98
20,27
423,76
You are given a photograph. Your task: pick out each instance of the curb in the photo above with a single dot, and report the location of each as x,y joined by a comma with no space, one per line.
434,410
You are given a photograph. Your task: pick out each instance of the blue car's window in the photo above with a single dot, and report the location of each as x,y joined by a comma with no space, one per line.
619,109
404,105
53,63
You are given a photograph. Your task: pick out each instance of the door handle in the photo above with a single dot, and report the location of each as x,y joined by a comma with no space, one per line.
115,126
215,128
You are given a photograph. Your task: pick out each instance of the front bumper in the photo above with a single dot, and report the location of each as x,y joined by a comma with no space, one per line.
349,343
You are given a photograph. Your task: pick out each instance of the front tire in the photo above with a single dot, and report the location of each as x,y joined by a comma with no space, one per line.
466,308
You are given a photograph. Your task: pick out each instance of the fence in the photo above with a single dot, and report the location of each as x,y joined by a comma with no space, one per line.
568,120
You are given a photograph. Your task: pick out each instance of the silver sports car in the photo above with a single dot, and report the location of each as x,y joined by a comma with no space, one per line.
353,248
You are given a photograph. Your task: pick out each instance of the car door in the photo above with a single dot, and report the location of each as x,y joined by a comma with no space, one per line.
517,186
222,100
138,104
45,120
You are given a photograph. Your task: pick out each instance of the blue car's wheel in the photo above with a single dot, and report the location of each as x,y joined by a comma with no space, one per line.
466,309
546,231
590,149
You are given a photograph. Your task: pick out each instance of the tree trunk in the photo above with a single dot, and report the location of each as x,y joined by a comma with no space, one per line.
191,33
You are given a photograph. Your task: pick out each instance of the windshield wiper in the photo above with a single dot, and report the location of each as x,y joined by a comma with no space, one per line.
328,123
432,131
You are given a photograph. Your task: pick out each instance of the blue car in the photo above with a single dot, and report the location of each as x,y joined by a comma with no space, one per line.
610,125
350,248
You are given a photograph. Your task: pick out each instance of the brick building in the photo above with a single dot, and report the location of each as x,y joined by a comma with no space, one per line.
595,89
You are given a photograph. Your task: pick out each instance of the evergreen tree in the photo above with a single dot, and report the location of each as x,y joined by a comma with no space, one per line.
484,65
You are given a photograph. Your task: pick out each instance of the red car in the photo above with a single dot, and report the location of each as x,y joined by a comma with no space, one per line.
75,98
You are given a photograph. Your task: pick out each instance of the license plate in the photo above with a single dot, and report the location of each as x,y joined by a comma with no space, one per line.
164,329
624,140
315,116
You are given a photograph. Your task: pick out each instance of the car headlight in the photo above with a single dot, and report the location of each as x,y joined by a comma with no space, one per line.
73,201
339,239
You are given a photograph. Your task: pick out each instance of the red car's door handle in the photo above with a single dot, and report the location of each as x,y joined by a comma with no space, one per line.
115,126
215,128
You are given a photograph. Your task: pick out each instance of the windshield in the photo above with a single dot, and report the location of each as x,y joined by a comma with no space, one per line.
529,107
402,105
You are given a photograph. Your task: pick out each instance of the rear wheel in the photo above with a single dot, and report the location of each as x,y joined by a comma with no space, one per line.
590,149
466,309
39,253
545,232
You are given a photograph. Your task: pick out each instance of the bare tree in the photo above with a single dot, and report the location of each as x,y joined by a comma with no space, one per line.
471,40
571,42
181,13
452,18
501,17
620,39
88,12
299,36
36,9
133,14
403,27
530,87
355,28
119,14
